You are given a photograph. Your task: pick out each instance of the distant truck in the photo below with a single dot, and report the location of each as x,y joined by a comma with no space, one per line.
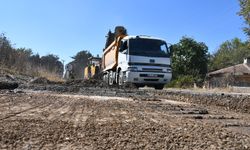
140,60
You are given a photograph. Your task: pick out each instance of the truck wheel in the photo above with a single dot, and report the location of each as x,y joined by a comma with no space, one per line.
159,86
110,78
106,78
120,78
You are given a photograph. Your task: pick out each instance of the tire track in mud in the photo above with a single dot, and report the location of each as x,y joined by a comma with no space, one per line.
50,120
68,114
38,109
66,121
8,100
24,111
16,101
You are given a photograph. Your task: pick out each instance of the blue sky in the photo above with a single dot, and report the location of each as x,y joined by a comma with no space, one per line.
65,27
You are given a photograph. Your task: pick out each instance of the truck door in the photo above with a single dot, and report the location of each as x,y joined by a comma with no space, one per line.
123,51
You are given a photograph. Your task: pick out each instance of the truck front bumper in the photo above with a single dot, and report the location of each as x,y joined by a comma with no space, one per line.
148,78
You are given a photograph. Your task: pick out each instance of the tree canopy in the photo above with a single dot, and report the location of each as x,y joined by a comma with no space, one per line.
229,53
82,57
23,60
245,13
189,57
79,63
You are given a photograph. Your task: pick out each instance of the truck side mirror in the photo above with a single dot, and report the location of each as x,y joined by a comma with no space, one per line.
171,50
120,46
125,51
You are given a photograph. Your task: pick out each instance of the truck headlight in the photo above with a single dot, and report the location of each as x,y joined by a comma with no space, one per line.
132,69
169,70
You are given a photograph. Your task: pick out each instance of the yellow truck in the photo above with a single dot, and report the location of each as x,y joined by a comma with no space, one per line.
93,68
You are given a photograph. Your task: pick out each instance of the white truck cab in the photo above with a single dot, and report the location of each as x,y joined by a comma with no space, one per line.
144,60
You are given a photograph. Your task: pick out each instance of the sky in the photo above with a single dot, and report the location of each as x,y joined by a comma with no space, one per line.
65,27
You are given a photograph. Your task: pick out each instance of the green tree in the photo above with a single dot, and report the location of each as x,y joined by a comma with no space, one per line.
245,13
189,58
82,57
229,53
80,62
6,51
22,60
52,64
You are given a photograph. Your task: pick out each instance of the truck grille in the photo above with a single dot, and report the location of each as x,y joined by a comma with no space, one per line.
148,75
151,79
151,70
147,64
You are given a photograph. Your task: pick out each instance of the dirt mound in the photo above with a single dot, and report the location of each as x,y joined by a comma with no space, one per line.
10,77
8,85
39,80
236,102
87,83
8,81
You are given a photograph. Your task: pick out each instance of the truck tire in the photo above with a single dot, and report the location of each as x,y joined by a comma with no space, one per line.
110,78
120,78
159,86
106,78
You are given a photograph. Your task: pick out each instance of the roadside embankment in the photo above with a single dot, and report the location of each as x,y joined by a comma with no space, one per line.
229,101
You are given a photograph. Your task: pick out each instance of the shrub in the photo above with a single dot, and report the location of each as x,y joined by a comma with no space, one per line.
184,82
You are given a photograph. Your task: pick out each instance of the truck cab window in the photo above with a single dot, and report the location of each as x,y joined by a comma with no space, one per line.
148,48
124,47
164,48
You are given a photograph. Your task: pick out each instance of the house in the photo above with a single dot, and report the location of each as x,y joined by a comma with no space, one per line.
237,75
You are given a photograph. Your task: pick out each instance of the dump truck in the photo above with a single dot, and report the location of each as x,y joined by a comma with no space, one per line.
140,60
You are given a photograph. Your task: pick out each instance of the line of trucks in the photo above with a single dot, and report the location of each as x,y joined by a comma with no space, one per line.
140,60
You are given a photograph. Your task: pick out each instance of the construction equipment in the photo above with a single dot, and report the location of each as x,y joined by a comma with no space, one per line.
141,60
93,68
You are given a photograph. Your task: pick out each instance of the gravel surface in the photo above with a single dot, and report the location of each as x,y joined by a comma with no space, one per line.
46,120
228,101
41,114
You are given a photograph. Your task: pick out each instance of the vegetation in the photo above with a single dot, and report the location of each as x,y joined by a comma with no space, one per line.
233,51
78,64
183,81
22,60
245,13
189,62
229,53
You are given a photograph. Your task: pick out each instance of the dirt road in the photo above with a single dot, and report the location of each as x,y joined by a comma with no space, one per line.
46,120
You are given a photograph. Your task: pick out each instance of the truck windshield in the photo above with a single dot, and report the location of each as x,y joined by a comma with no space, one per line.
148,47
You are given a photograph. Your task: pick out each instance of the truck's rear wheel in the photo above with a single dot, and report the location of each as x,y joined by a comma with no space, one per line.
120,78
110,78
106,78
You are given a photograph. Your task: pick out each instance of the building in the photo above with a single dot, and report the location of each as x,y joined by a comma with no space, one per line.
237,75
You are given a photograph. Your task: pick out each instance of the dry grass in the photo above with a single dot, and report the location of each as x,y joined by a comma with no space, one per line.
41,73
4,70
50,76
